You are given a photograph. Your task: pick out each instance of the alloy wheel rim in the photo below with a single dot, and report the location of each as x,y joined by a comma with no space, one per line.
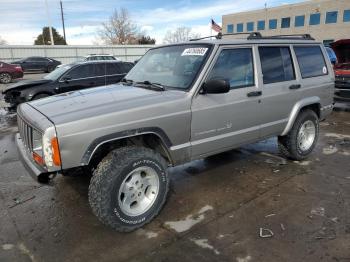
306,135
138,191
5,78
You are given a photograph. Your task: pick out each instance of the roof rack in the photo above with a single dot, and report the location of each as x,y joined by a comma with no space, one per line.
258,35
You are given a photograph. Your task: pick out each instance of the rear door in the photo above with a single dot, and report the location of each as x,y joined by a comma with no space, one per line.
114,72
224,121
281,87
100,74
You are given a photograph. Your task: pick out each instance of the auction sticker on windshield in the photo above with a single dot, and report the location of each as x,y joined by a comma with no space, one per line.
200,51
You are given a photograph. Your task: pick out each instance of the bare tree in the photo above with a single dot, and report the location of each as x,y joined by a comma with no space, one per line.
3,41
181,34
119,29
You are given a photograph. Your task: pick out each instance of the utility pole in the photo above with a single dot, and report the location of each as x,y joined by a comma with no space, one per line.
62,17
49,20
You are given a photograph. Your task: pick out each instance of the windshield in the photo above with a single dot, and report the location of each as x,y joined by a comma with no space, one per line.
58,72
170,66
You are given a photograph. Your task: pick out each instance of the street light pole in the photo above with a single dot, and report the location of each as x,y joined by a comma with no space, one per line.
64,29
49,20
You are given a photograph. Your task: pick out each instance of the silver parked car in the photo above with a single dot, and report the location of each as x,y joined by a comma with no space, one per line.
179,103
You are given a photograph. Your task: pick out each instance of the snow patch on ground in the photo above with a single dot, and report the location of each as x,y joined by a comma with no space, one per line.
330,150
203,243
244,259
335,135
189,221
7,246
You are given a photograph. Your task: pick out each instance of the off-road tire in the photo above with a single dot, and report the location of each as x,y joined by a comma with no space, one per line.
5,78
288,145
109,176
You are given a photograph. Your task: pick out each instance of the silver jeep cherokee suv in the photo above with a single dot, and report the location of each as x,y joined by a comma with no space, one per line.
179,103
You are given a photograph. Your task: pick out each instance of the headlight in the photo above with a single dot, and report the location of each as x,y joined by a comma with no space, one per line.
46,150
51,149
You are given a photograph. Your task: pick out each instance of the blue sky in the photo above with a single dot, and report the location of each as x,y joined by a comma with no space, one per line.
22,20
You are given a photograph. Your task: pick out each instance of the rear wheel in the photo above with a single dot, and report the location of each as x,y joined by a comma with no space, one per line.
302,138
5,78
129,188
50,69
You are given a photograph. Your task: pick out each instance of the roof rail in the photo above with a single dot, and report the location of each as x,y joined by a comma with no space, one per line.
257,35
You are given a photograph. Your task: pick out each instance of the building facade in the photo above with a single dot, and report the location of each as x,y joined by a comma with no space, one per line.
325,20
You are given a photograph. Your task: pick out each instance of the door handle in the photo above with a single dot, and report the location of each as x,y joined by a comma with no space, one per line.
295,86
254,93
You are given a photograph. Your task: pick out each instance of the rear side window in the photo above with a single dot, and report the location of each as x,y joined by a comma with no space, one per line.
113,69
126,67
235,66
276,64
311,61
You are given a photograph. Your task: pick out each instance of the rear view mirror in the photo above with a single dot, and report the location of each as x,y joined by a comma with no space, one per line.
216,86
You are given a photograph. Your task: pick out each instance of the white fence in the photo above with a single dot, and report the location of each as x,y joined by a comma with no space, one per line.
67,54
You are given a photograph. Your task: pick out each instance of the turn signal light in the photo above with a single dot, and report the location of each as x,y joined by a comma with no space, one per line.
38,159
56,157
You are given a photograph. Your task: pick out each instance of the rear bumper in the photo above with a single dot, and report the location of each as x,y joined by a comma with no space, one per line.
36,172
17,75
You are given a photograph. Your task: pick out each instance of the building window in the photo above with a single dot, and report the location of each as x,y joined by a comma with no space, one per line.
285,22
331,17
250,26
273,23
230,28
239,28
315,19
261,25
299,20
346,17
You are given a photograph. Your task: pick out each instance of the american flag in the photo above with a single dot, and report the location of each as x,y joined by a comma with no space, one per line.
215,26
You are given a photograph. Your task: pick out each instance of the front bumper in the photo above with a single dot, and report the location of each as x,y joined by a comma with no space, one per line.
37,172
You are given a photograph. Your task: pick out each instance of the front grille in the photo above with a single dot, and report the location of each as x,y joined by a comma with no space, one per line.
26,133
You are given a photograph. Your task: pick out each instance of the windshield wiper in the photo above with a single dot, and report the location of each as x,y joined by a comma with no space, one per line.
127,81
150,85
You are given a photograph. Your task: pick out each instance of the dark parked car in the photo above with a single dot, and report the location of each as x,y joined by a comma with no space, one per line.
9,72
37,63
70,77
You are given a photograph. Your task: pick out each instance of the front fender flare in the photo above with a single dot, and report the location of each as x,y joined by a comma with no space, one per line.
296,109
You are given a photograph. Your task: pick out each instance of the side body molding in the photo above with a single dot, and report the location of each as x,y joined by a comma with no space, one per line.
296,109
124,134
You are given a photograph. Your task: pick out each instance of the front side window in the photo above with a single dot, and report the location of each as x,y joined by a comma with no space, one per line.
235,66
250,26
311,61
299,21
331,17
82,71
273,23
100,69
174,66
315,19
239,28
230,28
261,25
346,16
285,23
276,64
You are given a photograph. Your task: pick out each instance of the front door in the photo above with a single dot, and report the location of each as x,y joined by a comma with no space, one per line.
223,121
79,77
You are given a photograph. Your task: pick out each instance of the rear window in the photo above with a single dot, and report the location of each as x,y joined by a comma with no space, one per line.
276,64
311,61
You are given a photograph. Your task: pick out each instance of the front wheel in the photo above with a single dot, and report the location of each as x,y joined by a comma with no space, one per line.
302,138
129,188
5,78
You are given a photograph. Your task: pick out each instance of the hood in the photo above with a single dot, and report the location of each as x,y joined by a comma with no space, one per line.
99,101
26,84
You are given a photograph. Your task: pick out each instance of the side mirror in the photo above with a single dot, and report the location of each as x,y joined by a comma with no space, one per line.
66,79
216,86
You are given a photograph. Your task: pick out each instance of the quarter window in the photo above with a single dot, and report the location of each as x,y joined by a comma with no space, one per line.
230,28
311,61
346,17
276,64
250,26
285,22
315,19
239,28
261,25
273,23
235,66
331,17
299,20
